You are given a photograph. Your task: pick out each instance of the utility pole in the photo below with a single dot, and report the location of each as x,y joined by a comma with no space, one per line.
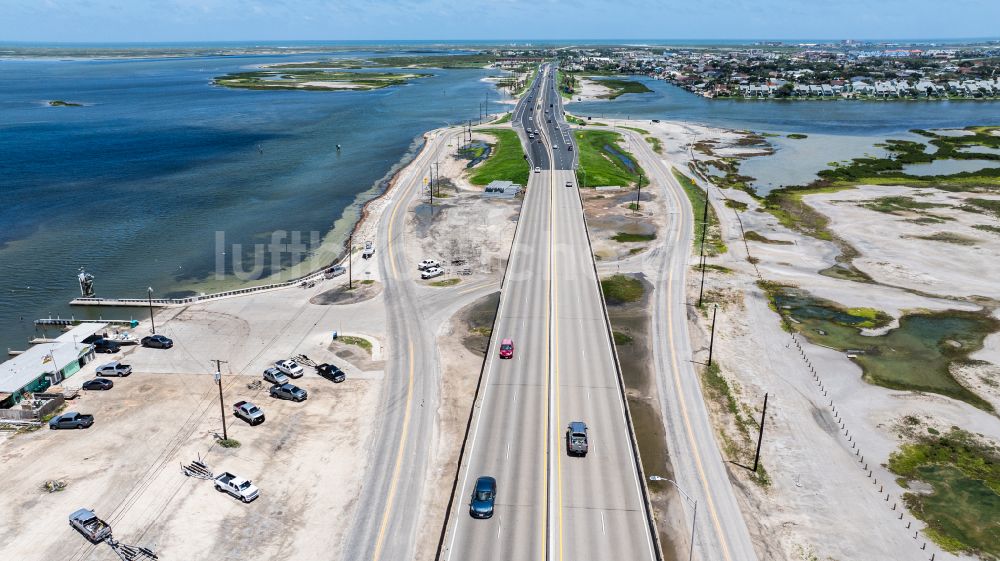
711,341
149,296
637,195
350,261
760,435
222,406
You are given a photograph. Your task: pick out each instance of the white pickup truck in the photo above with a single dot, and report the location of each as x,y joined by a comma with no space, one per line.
242,489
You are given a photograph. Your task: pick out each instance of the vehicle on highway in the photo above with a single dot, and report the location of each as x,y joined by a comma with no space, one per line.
569,147
114,369
431,273
569,183
242,489
507,348
248,412
289,368
483,497
555,146
290,392
98,384
369,250
335,271
157,342
576,439
88,524
72,420
106,346
275,376
538,169
331,372
428,264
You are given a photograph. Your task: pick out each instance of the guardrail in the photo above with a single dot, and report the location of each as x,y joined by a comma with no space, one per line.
163,302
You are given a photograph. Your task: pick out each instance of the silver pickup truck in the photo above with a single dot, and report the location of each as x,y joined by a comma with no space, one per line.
248,412
242,489
88,524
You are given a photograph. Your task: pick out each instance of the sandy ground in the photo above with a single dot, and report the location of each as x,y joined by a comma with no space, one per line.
590,90
819,492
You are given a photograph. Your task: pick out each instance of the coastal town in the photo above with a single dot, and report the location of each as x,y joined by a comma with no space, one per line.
842,70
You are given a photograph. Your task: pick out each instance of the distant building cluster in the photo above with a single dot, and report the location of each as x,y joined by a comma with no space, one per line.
846,69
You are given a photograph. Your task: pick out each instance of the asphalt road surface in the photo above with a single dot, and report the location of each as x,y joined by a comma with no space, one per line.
550,505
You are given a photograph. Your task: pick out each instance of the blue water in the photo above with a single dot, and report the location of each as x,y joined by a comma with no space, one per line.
135,184
668,102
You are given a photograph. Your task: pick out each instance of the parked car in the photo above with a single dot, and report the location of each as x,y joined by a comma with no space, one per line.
106,346
431,273
576,439
88,524
335,271
483,497
275,376
71,420
114,369
248,412
428,264
290,368
157,342
242,489
369,250
289,391
99,384
507,348
331,372
569,183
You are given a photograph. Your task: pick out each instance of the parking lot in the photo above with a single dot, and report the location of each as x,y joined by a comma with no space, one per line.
306,458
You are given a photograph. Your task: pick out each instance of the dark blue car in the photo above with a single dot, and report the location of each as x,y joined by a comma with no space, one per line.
483,496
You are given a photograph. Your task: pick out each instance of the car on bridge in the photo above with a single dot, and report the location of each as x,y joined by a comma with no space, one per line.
483,497
576,439
507,348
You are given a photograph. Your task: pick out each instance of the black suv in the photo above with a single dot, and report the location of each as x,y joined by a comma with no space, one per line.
106,346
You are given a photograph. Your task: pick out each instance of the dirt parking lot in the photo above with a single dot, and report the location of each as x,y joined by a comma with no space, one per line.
127,468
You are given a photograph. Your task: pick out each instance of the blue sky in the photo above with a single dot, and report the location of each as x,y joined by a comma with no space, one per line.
229,20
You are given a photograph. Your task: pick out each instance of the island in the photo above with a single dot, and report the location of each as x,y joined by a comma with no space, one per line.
61,103
313,79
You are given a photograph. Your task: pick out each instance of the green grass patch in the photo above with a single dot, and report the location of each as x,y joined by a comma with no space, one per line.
988,228
621,338
621,87
713,235
738,205
655,143
229,443
446,282
988,205
314,80
603,162
506,162
753,236
797,136
505,119
356,341
621,289
949,237
716,268
964,507
625,237
898,204
636,129
917,355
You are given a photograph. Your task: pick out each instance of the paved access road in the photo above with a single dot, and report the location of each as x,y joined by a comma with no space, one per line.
699,468
549,505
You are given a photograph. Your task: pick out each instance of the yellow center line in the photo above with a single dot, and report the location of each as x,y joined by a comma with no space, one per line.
555,337
684,412
409,401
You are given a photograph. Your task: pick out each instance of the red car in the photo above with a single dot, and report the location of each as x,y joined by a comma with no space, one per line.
507,348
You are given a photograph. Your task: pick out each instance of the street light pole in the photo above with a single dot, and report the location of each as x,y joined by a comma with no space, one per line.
149,297
694,515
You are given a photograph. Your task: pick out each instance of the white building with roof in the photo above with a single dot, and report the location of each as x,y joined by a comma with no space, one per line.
46,364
